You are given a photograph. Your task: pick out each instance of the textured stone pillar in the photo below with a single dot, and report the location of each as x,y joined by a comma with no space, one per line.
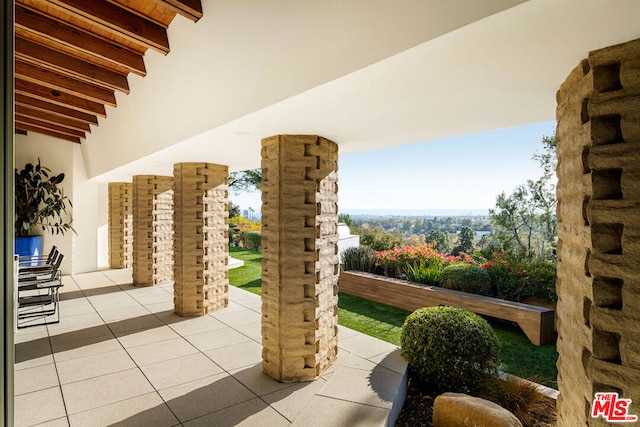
201,241
153,230
299,256
599,232
120,224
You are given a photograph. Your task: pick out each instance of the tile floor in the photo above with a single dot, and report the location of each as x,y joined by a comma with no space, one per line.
121,357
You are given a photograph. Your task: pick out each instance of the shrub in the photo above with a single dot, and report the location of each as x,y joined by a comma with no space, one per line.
427,274
253,240
466,278
360,258
239,228
449,348
516,277
395,262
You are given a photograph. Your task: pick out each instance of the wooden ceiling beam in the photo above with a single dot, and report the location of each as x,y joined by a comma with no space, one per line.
63,99
34,53
45,125
58,110
190,9
54,119
27,127
113,18
79,40
55,81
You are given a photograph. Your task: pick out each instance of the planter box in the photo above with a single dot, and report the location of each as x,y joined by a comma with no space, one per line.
536,322
28,246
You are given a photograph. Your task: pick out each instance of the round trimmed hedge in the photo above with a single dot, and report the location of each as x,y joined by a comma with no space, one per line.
449,348
466,278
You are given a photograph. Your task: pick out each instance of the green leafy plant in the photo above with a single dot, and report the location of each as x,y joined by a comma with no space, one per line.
449,349
253,240
518,276
40,201
466,278
425,273
360,258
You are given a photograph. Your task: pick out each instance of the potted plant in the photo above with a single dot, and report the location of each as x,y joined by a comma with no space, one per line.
39,201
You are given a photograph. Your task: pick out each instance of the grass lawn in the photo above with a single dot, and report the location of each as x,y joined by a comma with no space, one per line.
518,356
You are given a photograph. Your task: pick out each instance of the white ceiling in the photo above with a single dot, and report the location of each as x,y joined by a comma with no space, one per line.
500,71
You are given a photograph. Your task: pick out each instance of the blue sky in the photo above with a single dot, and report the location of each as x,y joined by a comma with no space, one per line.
466,172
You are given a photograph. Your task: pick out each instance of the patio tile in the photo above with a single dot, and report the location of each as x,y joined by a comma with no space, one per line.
257,381
154,352
34,379
374,388
49,404
59,422
356,362
30,356
233,318
66,336
76,306
81,348
253,413
195,325
292,401
145,410
392,361
146,336
75,322
95,392
344,332
160,307
204,396
365,346
30,335
90,280
253,330
237,356
145,321
94,366
116,314
120,277
216,339
324,411
181,370
112,300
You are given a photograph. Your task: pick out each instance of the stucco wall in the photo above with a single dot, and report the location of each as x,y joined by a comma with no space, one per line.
62,156
57,155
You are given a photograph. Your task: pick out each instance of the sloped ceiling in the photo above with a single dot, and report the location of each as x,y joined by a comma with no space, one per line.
71,56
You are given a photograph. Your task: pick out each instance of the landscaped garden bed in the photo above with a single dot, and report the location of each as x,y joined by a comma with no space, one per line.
536,322
517,355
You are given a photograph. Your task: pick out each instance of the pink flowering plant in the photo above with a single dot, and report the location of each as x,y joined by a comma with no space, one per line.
516,277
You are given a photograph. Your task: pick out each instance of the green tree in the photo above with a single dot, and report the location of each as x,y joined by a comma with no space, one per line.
346,218
234,210
440,240
378,239
530,209
465,241
246,180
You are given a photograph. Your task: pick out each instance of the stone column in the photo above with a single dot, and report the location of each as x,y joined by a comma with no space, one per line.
201,241
153,230
599,232
120,224
299,256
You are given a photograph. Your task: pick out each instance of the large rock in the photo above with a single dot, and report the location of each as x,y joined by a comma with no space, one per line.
461,410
